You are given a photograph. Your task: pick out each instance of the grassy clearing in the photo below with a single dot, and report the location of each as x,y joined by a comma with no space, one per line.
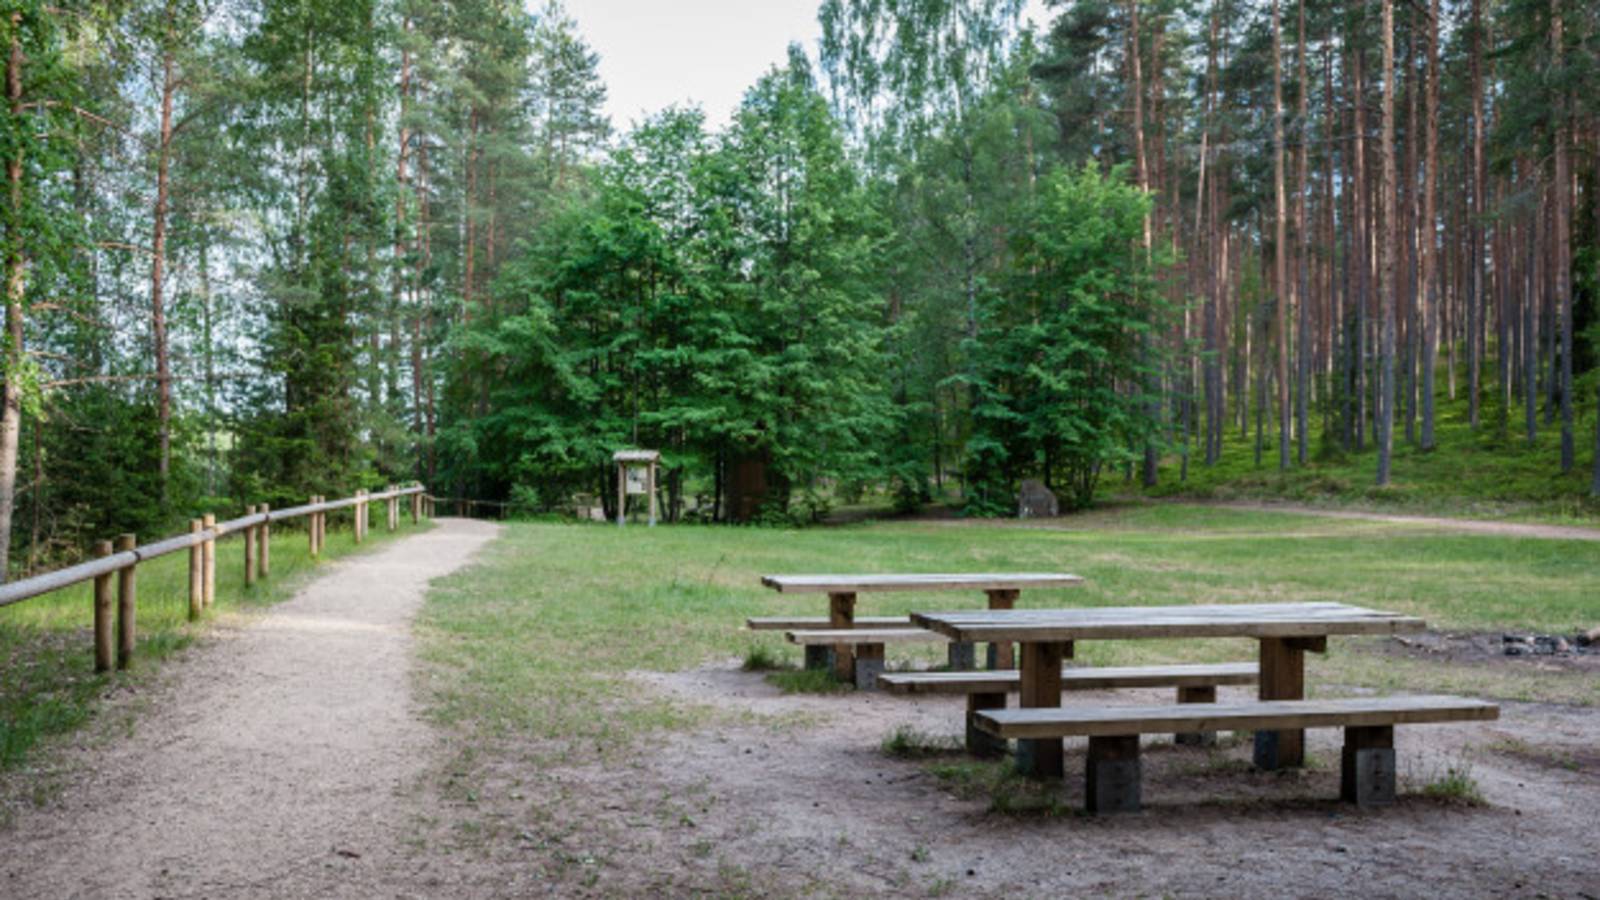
1486,473
536,640
46,644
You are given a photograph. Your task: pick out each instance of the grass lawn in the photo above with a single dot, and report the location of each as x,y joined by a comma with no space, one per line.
47,643
534,640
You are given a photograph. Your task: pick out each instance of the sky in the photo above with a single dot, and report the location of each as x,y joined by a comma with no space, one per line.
656,53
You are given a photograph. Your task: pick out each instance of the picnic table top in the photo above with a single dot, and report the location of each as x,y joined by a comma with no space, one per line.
1258,620
975,581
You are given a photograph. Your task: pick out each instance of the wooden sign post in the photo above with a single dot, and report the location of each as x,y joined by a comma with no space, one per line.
636,474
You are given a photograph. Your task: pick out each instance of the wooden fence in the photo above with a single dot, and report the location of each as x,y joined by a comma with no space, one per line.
121,559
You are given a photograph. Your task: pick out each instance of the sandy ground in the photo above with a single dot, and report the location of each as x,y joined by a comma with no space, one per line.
799,799
279,759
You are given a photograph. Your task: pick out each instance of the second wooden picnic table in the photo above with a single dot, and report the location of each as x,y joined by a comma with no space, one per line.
1002,589
1285,632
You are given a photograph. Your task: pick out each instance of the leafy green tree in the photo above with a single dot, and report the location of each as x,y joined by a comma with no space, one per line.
1059,384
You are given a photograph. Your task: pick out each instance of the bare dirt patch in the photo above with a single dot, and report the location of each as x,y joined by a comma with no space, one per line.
280,758
800,799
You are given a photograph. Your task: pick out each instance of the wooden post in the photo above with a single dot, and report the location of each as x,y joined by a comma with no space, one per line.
360,515
393,505
1206,693
264,544
842,614
650,486
127,602
416,509
319,527
622,493
1002,655
197,572
249,548
209,554
981,743
103,645
1283,677
1041,687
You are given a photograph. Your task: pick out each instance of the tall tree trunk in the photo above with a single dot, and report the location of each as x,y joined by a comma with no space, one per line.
1148,469
1280,248
1362,222
16,265
1303,242
1386,276
158,257
1476,305
1428,303
1562,262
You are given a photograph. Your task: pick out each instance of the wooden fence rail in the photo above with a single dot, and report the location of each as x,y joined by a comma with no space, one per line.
122,558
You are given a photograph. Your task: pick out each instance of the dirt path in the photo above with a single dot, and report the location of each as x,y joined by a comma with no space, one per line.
1470,526
275,760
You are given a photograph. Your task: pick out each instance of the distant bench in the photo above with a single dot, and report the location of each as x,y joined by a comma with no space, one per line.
841,654
1196,683
1112,774
866,645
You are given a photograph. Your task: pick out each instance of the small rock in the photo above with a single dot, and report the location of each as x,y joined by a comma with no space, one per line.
1518,650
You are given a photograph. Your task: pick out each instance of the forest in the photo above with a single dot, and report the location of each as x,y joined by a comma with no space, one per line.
255,250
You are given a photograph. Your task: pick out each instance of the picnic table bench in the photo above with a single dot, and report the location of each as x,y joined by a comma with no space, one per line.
859,658
1112,771
1195,683
1284,631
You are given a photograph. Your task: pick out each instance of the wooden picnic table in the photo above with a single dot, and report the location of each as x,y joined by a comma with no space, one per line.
1002,590
1285,632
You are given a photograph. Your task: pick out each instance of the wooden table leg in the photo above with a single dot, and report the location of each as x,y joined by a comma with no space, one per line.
842,614
1041,687
1283,677
1001,656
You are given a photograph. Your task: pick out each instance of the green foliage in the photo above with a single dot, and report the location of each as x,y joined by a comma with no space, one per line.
711,299
1058,385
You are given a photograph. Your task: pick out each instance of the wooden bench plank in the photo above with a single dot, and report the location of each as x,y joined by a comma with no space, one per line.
803,623
975,581
855,636
1076,678
1058,722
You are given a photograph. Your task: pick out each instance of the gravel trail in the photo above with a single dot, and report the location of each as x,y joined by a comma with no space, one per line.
275,760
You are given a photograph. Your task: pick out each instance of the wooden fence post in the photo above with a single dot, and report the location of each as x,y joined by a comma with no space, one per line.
197,590
103,652
311,530
416,508
209,551
264,544
127,602
361,515
394,509
249,548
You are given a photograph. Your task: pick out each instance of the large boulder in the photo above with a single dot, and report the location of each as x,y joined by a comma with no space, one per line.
1035,501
